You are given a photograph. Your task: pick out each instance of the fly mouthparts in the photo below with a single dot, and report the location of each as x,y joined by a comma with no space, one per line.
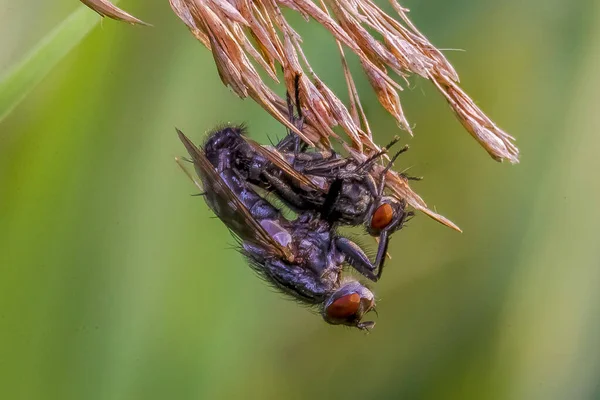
366,326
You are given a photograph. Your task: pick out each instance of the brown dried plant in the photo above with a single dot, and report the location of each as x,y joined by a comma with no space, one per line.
106,9
245,35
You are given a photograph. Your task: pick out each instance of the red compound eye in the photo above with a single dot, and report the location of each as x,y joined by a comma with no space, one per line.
382,216
344,307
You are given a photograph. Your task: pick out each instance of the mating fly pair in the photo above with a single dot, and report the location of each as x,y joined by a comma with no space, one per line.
303,257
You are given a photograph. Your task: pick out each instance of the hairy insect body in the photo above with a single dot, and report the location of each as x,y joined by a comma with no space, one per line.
304,257
339,190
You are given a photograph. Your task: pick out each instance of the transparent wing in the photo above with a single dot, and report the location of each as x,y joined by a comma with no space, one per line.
273,156
226,205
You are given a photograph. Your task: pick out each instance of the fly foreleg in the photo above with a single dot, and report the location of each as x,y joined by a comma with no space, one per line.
285,192
356,257
384,241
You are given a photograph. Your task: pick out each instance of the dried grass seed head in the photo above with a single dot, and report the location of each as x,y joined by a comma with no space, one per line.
242,34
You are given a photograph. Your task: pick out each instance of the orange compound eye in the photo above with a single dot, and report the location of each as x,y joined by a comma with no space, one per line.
344,307
382,216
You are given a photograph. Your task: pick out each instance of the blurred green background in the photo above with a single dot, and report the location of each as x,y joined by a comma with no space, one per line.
116,284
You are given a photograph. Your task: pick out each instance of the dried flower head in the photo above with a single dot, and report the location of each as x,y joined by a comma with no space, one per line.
244,35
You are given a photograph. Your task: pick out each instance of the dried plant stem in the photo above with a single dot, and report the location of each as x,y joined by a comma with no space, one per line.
244,35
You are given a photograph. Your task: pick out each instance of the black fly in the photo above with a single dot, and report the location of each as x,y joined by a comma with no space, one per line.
340,190
303,258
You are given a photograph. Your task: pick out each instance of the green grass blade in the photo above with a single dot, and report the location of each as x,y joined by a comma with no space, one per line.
20,79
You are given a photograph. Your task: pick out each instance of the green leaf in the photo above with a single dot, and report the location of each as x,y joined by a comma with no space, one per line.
21,78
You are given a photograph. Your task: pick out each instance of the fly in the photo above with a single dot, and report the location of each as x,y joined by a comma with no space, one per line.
340,190
303,258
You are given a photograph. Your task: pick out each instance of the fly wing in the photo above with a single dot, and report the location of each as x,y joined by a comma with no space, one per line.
227,206
272,156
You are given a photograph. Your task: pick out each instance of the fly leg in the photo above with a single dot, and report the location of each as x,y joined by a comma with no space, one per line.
292,141
285,192
384,241
368,163
398,219
410,177
299,120
361,171
387,168
322,165
357,258
299,282
377,192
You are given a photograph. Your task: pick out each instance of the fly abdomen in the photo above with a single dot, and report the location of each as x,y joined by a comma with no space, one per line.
259,208
298,282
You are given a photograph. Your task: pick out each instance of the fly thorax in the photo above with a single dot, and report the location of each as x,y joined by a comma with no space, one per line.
310,250
354,200
220,141
255,167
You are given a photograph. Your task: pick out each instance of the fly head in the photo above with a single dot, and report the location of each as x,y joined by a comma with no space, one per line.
348,304
388,215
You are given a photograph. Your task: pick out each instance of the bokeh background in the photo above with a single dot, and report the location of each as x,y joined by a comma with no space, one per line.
116,284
